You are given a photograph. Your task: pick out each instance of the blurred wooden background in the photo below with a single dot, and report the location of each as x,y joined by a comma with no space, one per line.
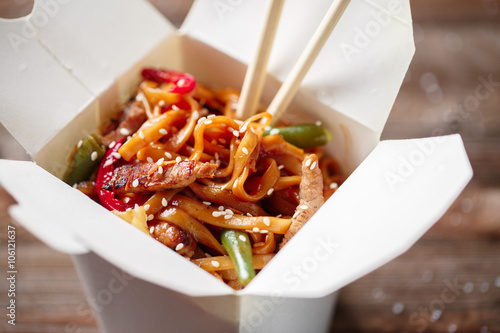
457,42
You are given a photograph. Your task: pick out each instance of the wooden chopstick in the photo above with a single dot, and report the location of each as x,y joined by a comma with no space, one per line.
256,72
289,88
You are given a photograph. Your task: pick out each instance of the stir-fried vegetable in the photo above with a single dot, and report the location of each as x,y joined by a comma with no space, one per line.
237,245
86,159
304,135
105,173
184,82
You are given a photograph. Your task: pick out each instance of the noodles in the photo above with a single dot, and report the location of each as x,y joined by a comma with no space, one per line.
194,170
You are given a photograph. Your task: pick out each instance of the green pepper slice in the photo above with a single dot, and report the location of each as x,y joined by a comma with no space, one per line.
303,135
238,246
86,159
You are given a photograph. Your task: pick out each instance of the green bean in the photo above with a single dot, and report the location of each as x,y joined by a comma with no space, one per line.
303,135
239,248
86,159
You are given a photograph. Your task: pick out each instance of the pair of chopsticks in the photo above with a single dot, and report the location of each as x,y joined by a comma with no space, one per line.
256,72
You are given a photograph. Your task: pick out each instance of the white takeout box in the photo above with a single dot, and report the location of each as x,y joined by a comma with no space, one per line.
71,62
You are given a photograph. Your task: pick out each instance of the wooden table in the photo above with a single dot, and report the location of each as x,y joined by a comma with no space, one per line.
457,42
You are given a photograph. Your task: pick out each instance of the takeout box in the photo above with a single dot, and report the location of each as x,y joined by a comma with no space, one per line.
69,64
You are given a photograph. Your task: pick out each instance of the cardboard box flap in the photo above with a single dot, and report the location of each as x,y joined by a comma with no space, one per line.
58,58
373,40
38,96
106,41
395,195
68,221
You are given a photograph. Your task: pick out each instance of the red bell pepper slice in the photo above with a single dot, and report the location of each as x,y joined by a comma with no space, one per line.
104,174
184,82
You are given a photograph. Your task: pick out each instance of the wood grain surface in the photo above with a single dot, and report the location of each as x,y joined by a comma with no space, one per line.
449,281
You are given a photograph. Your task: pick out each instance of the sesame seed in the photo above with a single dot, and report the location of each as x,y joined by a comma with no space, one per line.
179,247
229,212
280,167
136,207
313,165
168,155
245,150
279,215
202,119
274,131
255,229
160,169
112,144
181,82
248,214
108,163
208,203
216,155
116,155
264,231
175,203
126,200
164,202
221,208
217,214
75,185
227,217
146,207
267,128
79,143
94,156
253,130
308,162
248,230
303,207
196,114
244,128
163,131
334,185
318,123
178,159
141,135
210,116
161,103
236,133
151,230
207,122
215,263
271,190
296,214
160,161
242,238
150,217
135,183
175,107
149,159
267,221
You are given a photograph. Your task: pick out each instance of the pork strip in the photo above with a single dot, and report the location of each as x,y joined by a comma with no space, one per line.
149,177
130,121
172,236
311,196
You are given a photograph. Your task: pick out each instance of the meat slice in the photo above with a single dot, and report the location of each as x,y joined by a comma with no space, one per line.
311,196
174,237
149,177
130,121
